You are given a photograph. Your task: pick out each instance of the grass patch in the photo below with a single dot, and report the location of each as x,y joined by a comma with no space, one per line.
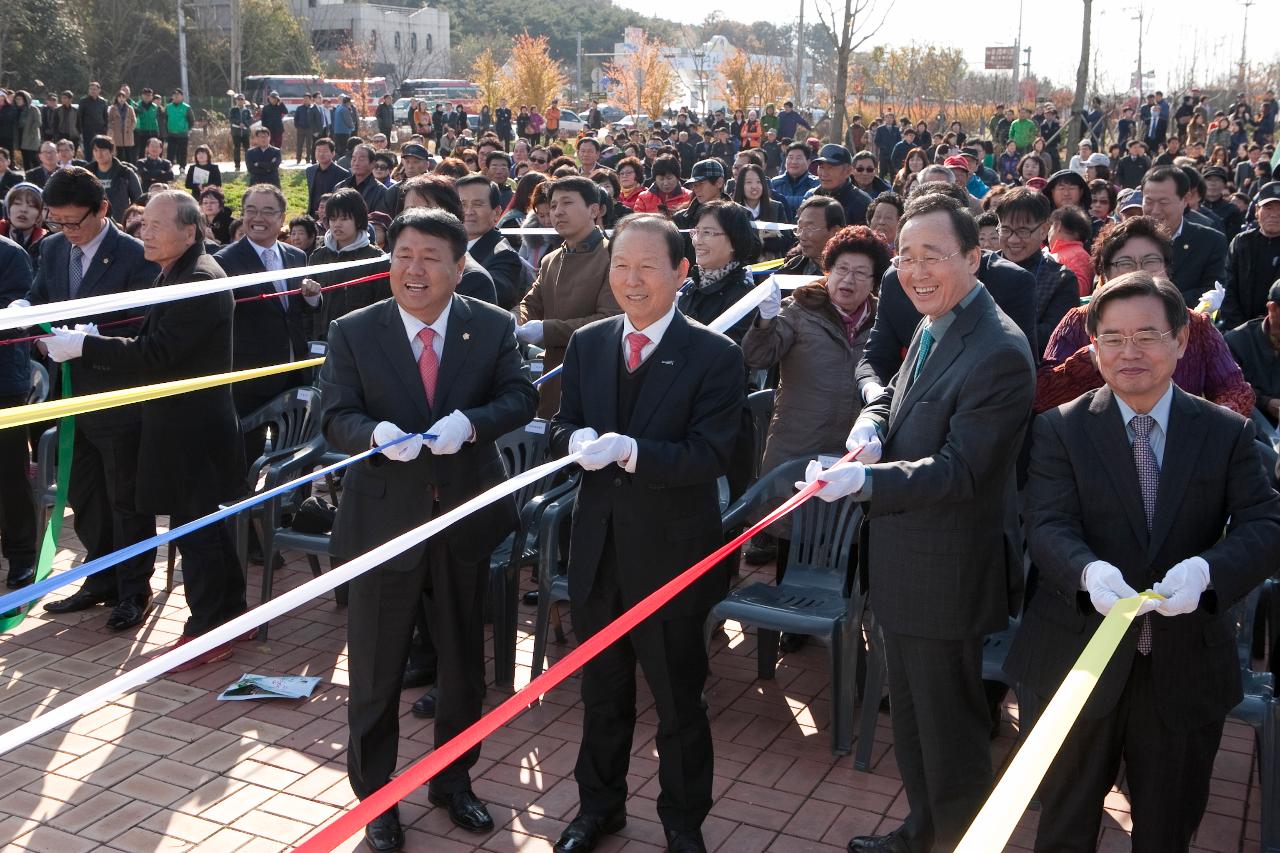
292,181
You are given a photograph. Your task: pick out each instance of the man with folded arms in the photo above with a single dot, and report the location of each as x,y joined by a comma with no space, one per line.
425,361
653,401
1131,487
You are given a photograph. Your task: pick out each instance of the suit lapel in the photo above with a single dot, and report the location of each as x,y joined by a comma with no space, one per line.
252,260
1107,432
665,364
101,262
396,346
605,392
457,348
1187,432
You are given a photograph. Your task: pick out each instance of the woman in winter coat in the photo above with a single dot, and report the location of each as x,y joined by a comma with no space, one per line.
121,120
26,132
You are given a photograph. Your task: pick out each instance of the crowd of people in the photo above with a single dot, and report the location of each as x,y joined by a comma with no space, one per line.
1116,318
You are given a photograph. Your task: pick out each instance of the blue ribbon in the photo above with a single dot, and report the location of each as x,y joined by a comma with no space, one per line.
37,590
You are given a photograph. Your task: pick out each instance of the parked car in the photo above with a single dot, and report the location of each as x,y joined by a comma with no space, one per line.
401,110
633,122
571,124
610,114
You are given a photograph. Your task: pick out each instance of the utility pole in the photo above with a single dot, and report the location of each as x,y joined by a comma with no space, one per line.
578,85
1244,36
235,45
1017,50
182,49
1026,67
799,83
1140,18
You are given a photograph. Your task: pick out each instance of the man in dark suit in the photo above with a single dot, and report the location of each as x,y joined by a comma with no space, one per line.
324,175
665,395
945,555
481,208
1199,252
268,330
103,488
1012,288
190,457
394,369
1131,488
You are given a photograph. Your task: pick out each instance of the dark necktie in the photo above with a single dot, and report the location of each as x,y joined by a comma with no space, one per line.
1144,459
75,274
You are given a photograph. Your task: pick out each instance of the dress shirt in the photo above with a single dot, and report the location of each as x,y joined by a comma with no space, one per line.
1159,413
654,332
91,249
412,326
273,259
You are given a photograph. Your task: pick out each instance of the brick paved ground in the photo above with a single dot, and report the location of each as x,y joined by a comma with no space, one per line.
169,768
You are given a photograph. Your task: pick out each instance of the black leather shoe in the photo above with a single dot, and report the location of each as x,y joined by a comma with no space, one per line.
685,842
530,598
415,676
130,612
894,842
425,708
465,810
789,644
384,832
20,576
80,600
585,831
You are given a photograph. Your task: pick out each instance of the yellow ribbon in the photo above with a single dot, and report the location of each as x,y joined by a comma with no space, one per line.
39,412
765,266
992,827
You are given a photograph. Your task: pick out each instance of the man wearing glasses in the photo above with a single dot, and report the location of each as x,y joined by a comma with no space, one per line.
1131,488
1024,219
1199,252
89,256
865,177
945,558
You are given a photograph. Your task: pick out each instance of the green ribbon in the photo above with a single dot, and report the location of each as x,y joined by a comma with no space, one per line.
49,545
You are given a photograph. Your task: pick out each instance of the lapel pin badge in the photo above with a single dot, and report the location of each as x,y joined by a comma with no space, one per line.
466,336
669,362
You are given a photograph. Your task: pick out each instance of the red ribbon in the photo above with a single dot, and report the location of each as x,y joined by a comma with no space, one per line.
417,775
254,298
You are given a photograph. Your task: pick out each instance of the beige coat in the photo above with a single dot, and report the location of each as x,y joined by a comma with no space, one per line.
121,132
572,290
817,400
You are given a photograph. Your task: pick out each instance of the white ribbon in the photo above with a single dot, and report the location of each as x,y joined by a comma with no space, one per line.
548,232
267,611
21,318
755,296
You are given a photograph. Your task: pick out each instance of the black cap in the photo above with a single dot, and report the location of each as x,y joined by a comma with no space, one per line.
1270,192
834,154
705,170
413,149
1216,172
1273,295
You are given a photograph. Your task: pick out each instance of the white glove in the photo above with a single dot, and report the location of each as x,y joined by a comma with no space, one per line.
1182,586
872,390
581,438
864,433
530,332
19,303
1211,300
606,450
87,328
65,344
1106,585
772,303
405,451
842,479
451,432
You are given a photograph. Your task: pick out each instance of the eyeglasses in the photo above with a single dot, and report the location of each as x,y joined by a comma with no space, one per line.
803,231
1142,340
859,276
913,265
864,170
1020,233
1150,263
538,161
55,225
705,233
264,212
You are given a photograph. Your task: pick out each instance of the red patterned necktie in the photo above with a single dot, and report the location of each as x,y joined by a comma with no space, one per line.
428,364
637,342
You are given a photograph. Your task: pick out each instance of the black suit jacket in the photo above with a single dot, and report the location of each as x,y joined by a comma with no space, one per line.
476,282
666,516
1199,260
1012,287
191,455
495,254
267,331
370,376
1083,503
119,266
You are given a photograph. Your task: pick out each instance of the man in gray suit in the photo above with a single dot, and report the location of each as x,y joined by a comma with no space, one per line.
945,555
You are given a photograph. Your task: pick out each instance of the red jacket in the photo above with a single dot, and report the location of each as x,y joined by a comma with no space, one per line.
652,201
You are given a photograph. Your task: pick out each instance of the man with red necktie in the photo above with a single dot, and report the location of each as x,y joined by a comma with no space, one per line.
425,361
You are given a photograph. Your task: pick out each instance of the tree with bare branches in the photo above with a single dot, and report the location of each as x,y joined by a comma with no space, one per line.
848,33
1075,127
